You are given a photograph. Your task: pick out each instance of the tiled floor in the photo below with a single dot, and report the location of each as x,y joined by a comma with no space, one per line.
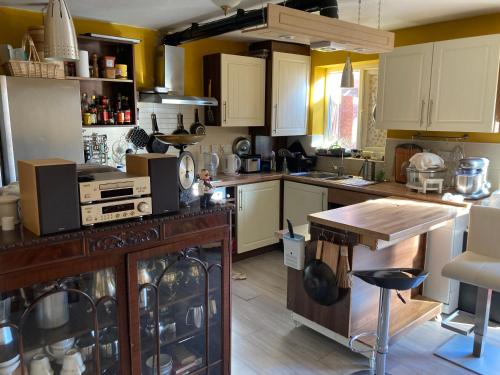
266,341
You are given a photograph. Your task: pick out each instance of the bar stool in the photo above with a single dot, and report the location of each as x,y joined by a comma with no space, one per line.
479,265
386,279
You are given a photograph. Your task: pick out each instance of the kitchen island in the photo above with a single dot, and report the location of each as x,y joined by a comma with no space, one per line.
382,233
110,287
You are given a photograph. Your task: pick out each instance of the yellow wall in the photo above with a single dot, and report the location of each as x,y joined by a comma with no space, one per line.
475,26
193,75
14,23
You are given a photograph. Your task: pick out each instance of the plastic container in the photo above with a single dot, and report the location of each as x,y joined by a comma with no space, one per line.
294,251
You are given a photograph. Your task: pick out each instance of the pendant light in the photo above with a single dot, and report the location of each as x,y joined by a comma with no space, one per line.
60,35
347,80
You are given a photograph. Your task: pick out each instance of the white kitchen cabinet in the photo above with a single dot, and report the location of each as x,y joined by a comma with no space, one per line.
464,85
443,86
290,94
403,89
258,215
239,85
301,200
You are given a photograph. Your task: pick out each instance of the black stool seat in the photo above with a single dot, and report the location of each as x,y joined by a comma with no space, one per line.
393,278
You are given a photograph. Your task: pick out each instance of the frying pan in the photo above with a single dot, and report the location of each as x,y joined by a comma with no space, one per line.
320,283
154,145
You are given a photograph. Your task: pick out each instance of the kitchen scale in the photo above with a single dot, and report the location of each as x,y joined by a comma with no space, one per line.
186,164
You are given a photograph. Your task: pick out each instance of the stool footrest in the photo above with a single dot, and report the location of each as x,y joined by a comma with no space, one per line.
462,327
355,338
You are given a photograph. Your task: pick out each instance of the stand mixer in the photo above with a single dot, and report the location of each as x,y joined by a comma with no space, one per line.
471,179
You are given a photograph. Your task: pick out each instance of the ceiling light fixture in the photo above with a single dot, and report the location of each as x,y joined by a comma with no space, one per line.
60,35
347,80
226,5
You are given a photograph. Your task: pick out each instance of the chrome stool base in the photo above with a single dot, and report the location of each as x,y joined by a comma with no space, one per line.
366,372
458,351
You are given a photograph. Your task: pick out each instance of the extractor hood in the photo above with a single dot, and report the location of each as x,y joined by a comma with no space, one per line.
320,32
170,80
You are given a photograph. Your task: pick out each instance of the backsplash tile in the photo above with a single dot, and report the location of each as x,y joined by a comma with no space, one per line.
166,116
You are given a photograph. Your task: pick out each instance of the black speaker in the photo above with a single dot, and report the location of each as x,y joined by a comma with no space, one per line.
49,195
162,170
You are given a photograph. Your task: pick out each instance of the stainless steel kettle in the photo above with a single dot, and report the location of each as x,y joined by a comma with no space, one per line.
52,311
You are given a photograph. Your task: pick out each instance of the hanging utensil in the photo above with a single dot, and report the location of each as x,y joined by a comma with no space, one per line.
210,112
154,145
320,283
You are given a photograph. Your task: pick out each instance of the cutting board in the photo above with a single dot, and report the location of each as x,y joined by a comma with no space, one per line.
402,154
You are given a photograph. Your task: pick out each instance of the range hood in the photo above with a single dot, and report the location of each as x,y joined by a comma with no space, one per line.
170,81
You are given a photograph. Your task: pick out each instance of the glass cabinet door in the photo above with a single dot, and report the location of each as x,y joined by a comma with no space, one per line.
180,313
64,325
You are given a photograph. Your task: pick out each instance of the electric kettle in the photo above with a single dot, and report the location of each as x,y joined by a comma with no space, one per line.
232,164
211,162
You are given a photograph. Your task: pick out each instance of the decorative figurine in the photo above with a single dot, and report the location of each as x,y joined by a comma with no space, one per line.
205,189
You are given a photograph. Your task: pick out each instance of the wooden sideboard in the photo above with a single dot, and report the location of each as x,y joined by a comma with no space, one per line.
159,285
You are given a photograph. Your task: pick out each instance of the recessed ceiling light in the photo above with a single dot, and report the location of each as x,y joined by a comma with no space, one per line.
287,37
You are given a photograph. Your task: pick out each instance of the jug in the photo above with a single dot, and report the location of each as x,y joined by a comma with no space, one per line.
211,162
52,311
232,164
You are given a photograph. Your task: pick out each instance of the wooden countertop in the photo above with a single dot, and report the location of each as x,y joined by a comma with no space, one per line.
382,189
387,219
246,178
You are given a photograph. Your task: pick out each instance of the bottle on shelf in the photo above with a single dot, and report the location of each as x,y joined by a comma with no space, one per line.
120,114
93,110
85,108
126,111
105,111
95,66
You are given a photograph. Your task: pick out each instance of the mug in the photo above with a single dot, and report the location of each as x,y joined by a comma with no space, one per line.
232,164
58,349
194,316
40,365
73,363
212,308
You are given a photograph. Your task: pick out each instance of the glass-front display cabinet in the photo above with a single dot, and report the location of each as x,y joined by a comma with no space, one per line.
178,290
66,325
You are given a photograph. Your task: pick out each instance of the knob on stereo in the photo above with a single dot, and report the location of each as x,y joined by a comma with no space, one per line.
143,207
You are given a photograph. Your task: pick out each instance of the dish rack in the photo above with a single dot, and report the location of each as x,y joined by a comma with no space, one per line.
95,148
425,181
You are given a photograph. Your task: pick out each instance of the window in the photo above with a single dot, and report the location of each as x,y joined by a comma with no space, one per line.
349,112
342,111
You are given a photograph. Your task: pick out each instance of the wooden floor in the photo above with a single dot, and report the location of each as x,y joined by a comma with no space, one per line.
266,341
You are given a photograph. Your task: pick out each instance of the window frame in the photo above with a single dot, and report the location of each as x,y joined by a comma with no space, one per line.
363,68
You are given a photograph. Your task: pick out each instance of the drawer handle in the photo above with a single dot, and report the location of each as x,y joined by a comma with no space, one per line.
225,111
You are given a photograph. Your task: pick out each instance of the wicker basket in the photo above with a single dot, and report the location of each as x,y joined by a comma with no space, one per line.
33,67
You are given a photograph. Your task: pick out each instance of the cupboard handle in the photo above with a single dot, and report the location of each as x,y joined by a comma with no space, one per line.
275,118
240,199
225,111
429,118
422,113
323,200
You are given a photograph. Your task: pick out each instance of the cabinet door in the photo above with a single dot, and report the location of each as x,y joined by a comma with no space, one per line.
464,85
403,89
290,94
243,81
79,313
258,215
177,296
301,200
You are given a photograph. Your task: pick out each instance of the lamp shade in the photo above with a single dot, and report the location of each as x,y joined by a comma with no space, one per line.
347,80
60,35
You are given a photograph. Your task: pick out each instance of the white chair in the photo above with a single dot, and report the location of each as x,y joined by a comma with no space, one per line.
479,265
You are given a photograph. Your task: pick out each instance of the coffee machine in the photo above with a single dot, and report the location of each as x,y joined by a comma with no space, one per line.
471,179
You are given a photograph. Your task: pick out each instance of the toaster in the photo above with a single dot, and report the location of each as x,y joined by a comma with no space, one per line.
250,163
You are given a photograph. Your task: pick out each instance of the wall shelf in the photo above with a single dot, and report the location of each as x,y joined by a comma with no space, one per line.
108,126
114,80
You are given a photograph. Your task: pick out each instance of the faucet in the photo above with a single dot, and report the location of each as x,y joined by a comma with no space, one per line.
339,169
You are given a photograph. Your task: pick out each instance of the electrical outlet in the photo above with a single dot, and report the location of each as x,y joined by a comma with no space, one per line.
204,148
215,148
227,149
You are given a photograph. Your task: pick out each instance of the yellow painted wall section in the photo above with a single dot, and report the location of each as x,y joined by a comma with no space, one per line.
194,52
14,23
462,28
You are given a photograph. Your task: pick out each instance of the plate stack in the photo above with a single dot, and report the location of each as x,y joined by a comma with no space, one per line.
166,364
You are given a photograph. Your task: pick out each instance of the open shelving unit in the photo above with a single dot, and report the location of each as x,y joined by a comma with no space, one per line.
123,50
